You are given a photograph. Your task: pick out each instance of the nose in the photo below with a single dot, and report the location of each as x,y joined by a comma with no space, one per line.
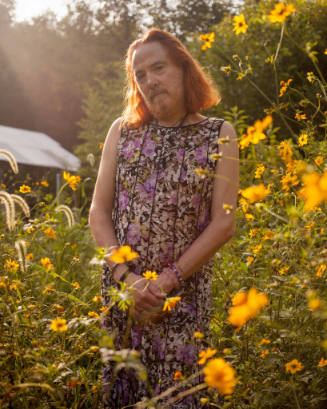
152,80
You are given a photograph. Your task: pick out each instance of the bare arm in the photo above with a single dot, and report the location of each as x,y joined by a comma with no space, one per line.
100,216
101,224
221,227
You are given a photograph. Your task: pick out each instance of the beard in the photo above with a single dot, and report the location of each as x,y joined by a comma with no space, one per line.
157,103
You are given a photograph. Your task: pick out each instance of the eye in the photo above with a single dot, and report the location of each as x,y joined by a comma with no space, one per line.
158,67
139,76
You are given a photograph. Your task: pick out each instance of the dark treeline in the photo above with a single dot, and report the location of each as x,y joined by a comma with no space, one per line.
47,67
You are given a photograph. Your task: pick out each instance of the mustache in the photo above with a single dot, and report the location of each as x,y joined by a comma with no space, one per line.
155,93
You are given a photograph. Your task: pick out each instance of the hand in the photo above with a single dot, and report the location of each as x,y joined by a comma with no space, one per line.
148,297
167,280
149,318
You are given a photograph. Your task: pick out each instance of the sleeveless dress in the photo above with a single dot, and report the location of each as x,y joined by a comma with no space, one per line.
161,206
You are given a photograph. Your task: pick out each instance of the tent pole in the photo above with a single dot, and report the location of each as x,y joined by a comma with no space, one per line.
57,182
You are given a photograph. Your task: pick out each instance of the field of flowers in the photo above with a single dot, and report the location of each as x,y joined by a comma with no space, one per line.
269,326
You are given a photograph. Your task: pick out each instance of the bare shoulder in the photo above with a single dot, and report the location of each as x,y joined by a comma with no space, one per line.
226,130
114,132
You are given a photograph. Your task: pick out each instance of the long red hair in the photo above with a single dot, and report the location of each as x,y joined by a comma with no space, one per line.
200,92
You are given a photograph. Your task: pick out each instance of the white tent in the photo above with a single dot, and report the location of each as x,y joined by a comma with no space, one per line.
36,149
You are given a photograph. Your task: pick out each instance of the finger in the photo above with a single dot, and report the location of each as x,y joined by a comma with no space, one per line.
149,298
157,291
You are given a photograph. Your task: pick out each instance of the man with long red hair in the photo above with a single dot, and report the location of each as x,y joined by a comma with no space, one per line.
163,181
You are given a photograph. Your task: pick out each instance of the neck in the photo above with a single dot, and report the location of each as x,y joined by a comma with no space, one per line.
189,119
175,121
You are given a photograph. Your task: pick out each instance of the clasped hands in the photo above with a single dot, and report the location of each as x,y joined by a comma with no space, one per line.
149,295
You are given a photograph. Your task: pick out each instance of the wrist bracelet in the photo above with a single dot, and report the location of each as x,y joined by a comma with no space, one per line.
177,273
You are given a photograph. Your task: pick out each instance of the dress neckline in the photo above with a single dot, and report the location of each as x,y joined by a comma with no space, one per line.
204,120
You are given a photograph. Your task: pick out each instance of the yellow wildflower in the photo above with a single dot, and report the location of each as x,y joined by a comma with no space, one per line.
228,208
270,59
299,116
178,376
150,275
253,232
24,189
44,183
50,233
14,285
314,304
255,132
288,181
170,303
249,260
264,353
283,270
293,366
204,355
59,325
269,235
239,298
259,171
323,361
285,151
320,270
246,306
281,12
97,298
244,204
100,145
49,289
3,186
204,400
255,193
249,216
319,160
93,314
198,335
46,263
314,190
240,25
207,39
284,87
202,173
73,181
264,342
11,265
303,139
226,69
2,282
29,257
123,254
257,248
220,375
76,285
325,52
311,77
309,226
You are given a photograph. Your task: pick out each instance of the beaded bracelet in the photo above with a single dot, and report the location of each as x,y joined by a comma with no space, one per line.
178,274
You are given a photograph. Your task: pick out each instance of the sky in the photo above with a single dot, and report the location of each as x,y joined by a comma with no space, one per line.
26,9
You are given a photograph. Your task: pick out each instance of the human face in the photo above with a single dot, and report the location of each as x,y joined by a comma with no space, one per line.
160,82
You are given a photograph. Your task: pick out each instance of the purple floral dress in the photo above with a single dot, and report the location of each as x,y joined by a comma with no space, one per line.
161,207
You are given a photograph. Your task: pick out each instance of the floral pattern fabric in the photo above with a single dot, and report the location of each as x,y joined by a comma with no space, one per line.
161,207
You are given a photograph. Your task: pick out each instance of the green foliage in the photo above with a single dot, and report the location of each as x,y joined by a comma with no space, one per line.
239,63
279,247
